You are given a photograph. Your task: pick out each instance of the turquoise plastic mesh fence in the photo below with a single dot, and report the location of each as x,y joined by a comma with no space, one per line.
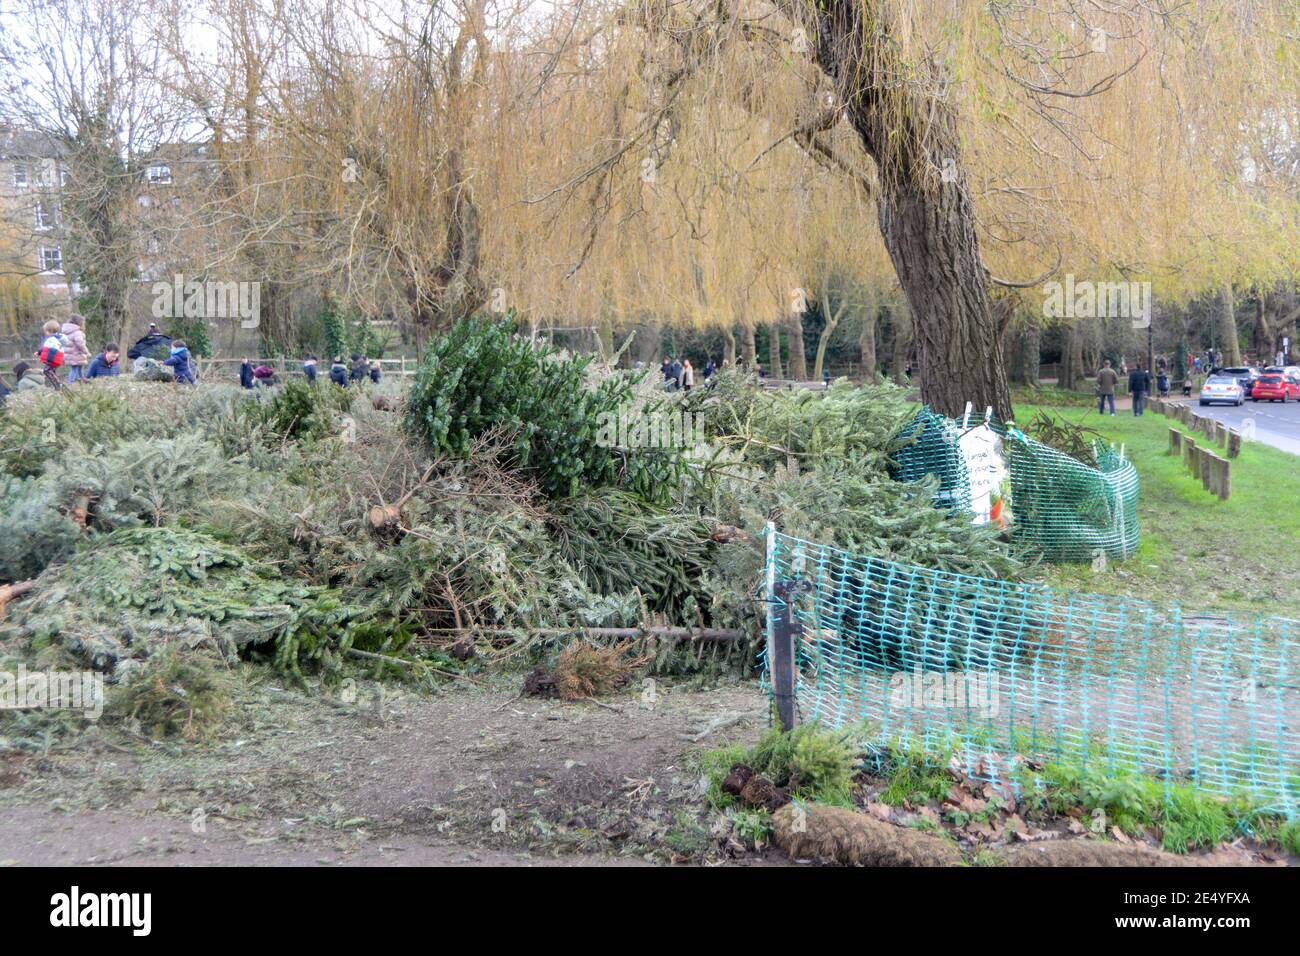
1062,509
1010,676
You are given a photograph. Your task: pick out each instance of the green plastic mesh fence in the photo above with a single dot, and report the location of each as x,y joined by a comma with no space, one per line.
1057,506
1010,676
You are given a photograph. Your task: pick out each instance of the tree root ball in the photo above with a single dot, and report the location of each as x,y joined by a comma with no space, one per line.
849,838
736,779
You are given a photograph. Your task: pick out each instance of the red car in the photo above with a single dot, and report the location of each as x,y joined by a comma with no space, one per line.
1275,387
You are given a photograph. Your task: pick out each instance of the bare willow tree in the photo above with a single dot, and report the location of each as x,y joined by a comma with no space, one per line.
350,139
88,75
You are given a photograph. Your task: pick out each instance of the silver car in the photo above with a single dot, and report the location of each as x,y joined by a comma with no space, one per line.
1222,388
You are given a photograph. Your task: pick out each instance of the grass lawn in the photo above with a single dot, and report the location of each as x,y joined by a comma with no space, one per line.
1198,551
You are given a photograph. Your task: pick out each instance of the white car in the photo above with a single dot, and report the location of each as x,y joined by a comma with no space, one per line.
1222,388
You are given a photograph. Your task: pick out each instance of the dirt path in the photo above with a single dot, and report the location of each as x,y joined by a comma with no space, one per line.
467,776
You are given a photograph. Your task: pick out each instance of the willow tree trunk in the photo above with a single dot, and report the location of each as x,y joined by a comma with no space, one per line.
1071,375
1227,327
927,220
867,347
824,340
774,350
728,348
798,357
1031,347
901,345
748,348
1261,338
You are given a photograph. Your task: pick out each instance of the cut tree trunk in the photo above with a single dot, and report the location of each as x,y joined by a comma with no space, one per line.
927,220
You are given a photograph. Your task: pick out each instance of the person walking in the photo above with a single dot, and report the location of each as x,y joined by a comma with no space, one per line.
51,354
1139,385
1106,382
688,375
309,369
77,355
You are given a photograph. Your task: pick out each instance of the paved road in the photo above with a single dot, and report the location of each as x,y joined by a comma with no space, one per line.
1274,423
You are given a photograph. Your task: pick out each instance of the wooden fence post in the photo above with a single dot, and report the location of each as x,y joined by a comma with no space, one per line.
1189,453
1175,441
1234,443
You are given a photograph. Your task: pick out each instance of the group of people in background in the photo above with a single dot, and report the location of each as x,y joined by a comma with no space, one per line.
64,358
1139,386
63,347
679,374
341,373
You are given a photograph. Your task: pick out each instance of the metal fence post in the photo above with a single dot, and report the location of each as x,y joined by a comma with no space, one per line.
785,636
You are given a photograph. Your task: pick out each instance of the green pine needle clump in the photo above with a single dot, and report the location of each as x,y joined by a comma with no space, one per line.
480,377
140,589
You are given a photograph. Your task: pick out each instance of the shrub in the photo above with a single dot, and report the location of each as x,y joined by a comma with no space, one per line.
480,377
819,764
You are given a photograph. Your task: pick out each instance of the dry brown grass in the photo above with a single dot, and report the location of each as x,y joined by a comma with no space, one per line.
586,670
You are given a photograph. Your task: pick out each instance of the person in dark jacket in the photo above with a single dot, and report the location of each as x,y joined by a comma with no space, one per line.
104,365
154,345
375,371
339,372
675,374
179,360
246,374
1139,386
309,369
360,368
